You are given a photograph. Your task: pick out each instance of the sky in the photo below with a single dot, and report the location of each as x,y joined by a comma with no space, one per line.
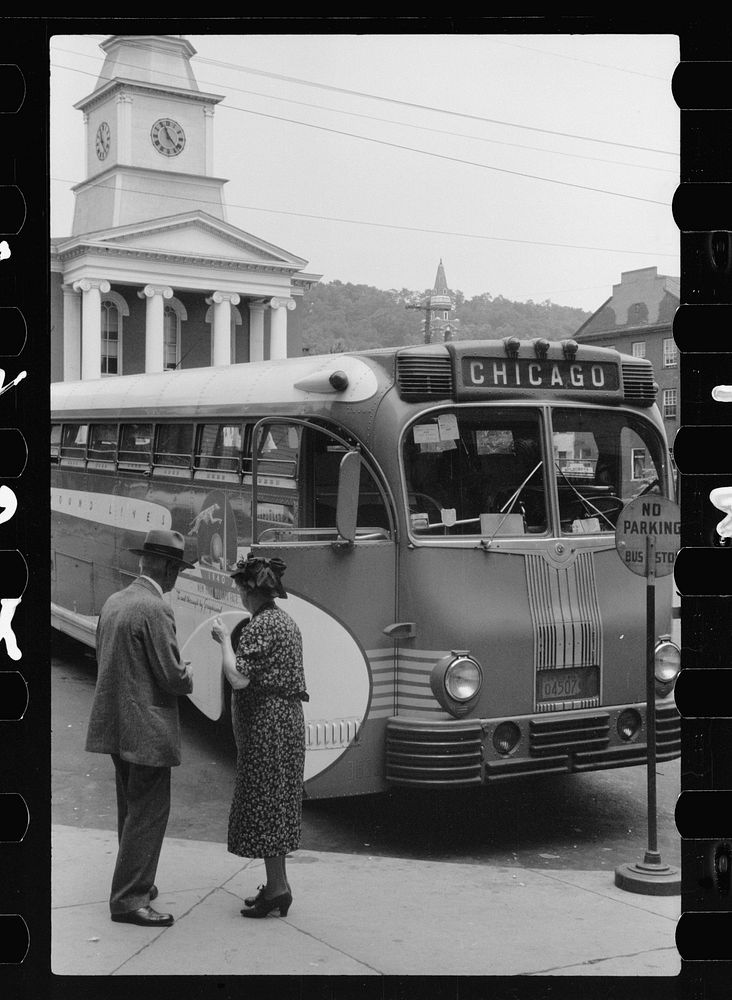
536,167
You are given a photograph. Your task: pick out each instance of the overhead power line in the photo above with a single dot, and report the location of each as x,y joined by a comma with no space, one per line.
399,124
387,225
440,156
457,159
428,107
423,107
497,40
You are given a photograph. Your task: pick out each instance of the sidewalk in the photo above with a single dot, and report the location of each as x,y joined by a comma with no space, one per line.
355,915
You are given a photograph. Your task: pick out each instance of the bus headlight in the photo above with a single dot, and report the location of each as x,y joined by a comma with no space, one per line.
463,678
666,665
455,681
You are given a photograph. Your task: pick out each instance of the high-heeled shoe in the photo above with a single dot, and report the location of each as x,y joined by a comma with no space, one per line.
253,900
264,906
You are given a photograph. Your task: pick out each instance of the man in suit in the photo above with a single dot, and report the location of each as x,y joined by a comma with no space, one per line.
134,718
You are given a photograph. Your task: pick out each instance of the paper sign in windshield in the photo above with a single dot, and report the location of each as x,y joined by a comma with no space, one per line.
494,442
448,427
438,437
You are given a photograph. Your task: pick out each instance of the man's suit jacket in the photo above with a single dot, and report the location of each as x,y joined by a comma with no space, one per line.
139,679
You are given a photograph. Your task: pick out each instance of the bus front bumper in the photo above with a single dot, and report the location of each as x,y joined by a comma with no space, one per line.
453,754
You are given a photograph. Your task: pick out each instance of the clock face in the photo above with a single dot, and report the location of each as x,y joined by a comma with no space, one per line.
102,140
167,137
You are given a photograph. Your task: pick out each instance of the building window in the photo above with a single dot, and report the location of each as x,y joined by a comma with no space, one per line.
111,339
638,349
638,463
669,353
114,309
171,338
638,313
669,404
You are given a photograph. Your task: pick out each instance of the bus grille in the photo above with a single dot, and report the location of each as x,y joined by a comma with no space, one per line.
424,377
588,739
668,732
423,753
638,384
551,737
565,614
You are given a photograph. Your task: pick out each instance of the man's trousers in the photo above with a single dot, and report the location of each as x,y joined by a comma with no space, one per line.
143,805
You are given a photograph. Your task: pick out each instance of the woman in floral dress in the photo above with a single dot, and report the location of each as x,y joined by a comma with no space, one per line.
265,670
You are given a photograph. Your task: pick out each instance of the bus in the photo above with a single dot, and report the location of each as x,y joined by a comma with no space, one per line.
446,513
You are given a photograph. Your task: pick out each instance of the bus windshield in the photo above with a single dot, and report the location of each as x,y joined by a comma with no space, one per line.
476,470
483,470
603,459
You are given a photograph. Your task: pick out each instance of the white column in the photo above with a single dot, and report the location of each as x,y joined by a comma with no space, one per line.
88,145
154,329
208,135
278,327
91,325
221,349
72,334
256,330
123,137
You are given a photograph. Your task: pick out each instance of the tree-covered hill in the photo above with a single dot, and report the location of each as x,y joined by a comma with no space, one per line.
342,316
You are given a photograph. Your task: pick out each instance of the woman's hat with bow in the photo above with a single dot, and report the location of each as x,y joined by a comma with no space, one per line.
258,573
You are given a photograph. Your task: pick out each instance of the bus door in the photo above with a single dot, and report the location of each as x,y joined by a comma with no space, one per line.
340,553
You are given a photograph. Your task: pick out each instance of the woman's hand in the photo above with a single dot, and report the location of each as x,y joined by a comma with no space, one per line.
219,631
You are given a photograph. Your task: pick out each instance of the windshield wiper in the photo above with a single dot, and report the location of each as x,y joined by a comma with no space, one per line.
506,508
583,500
512,499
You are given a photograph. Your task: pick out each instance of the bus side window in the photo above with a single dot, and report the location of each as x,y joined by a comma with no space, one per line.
103,442
279,447
135,445
173,445
219,447
55,442
73,443
325,461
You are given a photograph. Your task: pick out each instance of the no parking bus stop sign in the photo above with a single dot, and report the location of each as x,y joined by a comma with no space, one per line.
649,527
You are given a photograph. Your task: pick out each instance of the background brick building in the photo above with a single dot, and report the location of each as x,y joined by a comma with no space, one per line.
637,319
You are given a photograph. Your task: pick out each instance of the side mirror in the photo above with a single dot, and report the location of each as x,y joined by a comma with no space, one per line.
349,480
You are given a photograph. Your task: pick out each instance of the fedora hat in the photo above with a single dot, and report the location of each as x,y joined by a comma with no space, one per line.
170,544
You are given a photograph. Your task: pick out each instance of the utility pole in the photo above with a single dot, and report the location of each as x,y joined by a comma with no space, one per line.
426,308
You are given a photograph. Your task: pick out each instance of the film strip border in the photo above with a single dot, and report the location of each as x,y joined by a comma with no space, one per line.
702,331
703,452
24,518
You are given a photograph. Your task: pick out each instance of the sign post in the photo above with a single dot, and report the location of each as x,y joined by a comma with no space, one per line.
647,538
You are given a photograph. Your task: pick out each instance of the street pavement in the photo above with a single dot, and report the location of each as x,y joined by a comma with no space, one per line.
355,915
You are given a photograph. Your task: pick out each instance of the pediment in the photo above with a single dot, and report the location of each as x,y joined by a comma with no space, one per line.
195,235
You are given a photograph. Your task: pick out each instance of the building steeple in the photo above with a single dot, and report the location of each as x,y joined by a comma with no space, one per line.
149,137
161,60
437,306
440,282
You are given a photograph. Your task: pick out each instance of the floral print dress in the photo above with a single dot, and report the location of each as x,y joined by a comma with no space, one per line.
269,729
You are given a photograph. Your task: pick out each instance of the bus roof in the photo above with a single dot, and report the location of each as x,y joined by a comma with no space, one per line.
312,384
221,390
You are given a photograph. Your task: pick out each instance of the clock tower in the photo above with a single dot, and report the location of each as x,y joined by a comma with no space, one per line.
149,137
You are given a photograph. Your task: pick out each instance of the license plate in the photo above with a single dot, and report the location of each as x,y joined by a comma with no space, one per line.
568,684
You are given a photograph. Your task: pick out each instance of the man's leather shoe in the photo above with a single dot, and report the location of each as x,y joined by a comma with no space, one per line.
153,892
145,917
